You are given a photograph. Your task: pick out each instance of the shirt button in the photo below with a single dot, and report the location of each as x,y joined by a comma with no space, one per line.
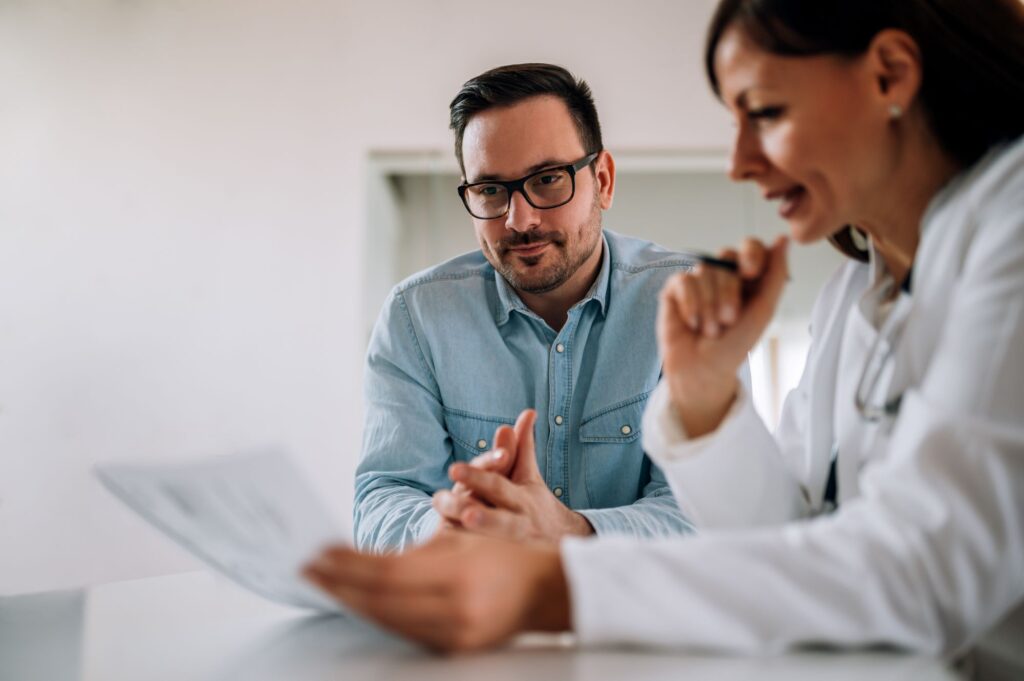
626,430
558,492
481,444
559,420
559,348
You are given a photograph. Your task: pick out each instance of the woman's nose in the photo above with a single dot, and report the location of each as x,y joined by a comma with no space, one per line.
747,161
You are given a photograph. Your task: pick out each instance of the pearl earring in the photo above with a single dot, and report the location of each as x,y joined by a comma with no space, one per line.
895,111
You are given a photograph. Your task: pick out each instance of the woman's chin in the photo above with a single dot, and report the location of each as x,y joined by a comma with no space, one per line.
805,232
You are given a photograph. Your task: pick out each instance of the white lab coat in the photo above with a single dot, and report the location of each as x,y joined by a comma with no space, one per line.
926,550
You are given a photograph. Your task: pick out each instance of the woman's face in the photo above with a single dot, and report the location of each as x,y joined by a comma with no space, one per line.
812,132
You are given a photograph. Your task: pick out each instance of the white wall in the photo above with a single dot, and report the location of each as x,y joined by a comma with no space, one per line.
182,206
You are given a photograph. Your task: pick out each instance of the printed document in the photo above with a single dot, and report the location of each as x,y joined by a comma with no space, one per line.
250,516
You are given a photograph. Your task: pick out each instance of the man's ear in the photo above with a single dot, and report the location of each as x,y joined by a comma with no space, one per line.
894,60
604,173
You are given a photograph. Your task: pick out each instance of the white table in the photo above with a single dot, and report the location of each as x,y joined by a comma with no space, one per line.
198,626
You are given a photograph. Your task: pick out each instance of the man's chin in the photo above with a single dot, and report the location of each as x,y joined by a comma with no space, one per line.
524,278
536,284
535,274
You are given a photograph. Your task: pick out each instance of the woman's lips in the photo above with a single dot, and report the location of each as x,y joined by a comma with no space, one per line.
791,200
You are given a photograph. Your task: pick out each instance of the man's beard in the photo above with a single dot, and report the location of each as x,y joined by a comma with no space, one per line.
569,254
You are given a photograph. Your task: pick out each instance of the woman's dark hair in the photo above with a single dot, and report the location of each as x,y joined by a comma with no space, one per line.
508,85
972,54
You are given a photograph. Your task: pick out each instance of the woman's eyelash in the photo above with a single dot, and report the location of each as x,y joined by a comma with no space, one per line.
765,113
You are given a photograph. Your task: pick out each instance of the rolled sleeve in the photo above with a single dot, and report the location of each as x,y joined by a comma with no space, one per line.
406,450
655,515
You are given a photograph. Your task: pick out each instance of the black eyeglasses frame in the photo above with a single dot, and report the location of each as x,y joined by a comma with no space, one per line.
512,186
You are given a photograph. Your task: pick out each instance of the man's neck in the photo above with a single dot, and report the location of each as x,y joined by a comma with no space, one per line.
553,306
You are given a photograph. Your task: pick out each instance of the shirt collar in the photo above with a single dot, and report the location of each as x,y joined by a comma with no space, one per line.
509,300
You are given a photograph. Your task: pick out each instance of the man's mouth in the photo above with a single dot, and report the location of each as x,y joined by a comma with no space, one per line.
530,249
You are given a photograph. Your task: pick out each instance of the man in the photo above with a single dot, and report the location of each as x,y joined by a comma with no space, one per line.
552,313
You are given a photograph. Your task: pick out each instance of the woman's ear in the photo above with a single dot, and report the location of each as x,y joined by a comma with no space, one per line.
895,62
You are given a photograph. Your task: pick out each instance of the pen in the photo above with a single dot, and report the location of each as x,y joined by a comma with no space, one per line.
712,261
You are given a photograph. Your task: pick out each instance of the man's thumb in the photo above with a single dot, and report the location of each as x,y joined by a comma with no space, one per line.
526,452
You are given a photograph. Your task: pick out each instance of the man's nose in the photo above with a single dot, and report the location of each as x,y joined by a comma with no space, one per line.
521,217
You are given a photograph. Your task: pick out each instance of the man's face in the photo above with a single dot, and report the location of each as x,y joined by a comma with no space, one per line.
536,250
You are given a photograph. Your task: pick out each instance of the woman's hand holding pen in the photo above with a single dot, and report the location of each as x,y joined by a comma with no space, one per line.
708,320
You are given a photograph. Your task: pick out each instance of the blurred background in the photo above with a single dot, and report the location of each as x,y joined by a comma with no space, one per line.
203,204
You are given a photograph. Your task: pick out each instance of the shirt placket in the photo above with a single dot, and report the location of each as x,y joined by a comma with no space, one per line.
560,388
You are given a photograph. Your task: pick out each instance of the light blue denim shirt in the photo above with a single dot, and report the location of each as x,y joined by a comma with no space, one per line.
456,353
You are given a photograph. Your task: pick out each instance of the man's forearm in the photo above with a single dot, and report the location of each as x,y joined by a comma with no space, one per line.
655,515
392,518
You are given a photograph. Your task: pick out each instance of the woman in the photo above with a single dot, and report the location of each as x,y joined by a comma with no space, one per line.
904,118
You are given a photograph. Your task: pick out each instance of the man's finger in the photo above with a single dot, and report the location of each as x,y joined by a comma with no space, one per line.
505,438
497,460
450,506
495,522
526,468
493,488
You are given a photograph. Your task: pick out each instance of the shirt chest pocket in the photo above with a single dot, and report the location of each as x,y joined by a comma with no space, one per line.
619,423
613,460
471,434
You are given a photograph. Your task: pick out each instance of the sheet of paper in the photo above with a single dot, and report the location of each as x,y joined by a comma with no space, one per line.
250,516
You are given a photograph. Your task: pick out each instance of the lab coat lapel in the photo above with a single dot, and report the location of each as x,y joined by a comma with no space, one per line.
824,364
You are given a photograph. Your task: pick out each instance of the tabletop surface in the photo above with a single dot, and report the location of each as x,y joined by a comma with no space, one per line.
197,625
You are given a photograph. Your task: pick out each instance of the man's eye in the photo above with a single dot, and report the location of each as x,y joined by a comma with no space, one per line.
487,190
549,179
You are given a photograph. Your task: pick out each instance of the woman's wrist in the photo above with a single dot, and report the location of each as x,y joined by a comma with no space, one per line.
701,408
551,609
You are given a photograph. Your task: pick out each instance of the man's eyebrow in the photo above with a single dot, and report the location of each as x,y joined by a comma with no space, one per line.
546,163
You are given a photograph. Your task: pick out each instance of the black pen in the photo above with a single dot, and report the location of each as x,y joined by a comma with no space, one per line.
712,261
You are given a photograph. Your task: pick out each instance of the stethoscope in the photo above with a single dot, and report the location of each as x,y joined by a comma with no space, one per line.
882,350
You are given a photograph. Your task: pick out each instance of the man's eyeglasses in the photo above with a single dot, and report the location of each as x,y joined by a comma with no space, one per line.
548,188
